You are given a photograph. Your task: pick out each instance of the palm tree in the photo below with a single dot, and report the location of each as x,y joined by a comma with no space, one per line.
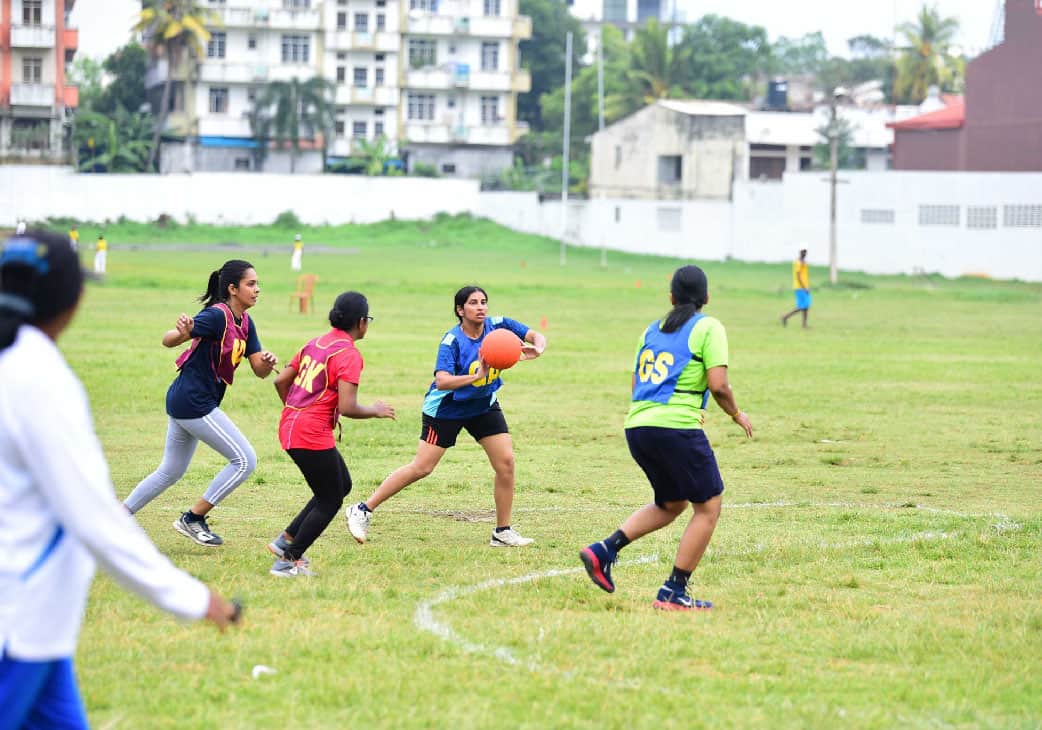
112,144
171,29
294,110
657,68
925,60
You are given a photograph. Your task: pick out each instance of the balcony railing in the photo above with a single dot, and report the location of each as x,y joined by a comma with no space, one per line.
32,94
519,81
32,36
453,132
232,73
371,96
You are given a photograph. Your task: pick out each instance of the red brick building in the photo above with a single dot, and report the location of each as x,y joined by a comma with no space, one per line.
999,127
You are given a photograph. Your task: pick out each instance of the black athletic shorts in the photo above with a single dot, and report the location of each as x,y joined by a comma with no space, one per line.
443,431
679,463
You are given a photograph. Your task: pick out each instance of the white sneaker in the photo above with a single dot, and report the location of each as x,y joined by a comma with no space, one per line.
358,522
292,568
509,538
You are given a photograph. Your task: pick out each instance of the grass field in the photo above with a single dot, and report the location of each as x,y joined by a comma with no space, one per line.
877,563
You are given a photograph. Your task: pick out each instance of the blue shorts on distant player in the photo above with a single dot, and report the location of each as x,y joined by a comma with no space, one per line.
802,298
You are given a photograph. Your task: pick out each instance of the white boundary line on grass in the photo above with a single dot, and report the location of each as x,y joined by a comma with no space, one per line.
425,619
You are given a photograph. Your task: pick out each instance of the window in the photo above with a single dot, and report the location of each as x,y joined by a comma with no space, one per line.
378,77
242,163
378,112
32,12
938,215
251,42
489,109
492,7
448,168
295,48
251,94
216,46
361,22
422,52
296,4
1022,216
218,100
430,6
341,74
669,219
420,107
341,21
381,3
378,129
358,130
32,70
378,57
490,56
669,169
339,127
982,216
341,56
341,3
361,77
877,215
381,22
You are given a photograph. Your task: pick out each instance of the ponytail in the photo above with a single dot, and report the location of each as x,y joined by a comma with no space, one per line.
678,315
15,310
228,275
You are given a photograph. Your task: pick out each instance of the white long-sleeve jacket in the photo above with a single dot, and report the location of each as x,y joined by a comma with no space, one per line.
59,513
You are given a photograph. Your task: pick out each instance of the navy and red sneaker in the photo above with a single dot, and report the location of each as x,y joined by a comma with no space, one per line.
672,597
598,561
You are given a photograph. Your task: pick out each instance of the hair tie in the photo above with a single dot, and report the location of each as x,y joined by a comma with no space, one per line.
17,304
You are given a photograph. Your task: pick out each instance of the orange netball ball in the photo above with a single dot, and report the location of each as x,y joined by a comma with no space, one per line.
501,349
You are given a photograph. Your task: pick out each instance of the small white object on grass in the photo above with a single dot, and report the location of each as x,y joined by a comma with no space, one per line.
260,669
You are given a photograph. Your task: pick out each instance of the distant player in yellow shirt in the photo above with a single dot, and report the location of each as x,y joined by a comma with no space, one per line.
298,252
100,254
74,237
800,287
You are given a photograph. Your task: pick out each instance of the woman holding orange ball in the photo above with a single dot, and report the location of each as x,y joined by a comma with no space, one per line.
463,395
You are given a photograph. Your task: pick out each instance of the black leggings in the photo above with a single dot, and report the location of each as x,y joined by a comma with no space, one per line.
327,475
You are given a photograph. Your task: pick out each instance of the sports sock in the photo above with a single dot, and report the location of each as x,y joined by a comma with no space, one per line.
191,516
364,507
679,577
502,529
617,541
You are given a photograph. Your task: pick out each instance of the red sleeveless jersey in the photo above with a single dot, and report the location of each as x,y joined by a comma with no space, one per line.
310,413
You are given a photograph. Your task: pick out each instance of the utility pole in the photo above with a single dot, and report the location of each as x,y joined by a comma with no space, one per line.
600,116
833,166
567,133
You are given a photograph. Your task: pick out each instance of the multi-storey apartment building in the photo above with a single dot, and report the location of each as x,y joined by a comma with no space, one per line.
436,79
36,43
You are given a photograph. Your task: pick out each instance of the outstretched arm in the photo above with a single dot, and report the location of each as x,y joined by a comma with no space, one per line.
724,397
348,405
535,347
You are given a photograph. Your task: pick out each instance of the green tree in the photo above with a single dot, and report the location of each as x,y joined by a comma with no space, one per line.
127,66
724,57
585,115
376,155
543,53
294,110
658,70
925,58
119,143
804,56
172,28
85,73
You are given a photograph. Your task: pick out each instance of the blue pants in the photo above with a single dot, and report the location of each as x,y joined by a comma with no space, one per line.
40,696
802,298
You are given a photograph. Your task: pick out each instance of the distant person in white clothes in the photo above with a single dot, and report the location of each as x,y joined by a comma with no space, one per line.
298,253
54,493
20,228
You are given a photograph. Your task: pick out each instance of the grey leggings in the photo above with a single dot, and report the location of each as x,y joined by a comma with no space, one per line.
215,430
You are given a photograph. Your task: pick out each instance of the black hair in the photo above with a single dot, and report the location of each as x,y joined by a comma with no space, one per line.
462,296
690,290
40,278
348,309
228,275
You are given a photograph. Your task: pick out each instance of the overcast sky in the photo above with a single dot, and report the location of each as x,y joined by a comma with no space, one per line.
104,24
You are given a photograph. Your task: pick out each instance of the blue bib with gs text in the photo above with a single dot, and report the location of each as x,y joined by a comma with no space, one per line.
661,360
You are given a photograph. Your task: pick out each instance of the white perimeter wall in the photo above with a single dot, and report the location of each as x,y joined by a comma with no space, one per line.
764,221
771,221
36,193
